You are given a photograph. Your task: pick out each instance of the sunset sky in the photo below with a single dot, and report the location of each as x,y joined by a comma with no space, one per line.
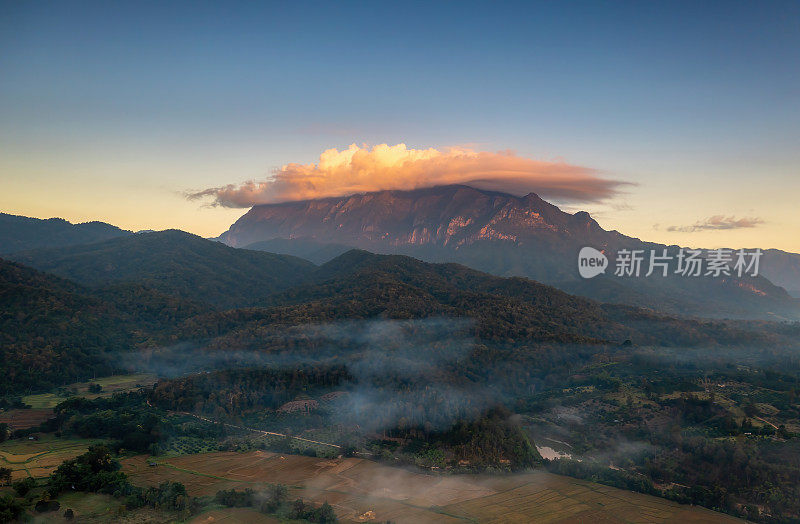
676,122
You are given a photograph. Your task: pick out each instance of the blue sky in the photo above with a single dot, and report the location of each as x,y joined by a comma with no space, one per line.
111,110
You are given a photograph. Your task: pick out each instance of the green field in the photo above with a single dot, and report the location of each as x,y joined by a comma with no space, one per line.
110,385
43,400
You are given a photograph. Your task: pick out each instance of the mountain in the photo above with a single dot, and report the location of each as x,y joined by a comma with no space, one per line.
501,234
18,233
174,263
783,269
433,224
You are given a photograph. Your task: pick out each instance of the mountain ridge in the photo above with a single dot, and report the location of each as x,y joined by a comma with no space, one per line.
452,215
498,233
173,262
20,233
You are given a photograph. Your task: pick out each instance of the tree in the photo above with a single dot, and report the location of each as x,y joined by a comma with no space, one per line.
298,509
235,499
277,495
24,486
96,471
46,505
326,515
10,508
5,476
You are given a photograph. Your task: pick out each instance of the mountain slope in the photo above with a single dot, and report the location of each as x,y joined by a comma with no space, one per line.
43,321
360,285
367,285
311,250
18,233
174,263
53,331
502,234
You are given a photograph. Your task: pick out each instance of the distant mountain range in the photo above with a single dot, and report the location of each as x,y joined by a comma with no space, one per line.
493,232
175,263
508,236
18,233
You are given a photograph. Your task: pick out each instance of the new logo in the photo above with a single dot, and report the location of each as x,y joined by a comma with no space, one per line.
591,262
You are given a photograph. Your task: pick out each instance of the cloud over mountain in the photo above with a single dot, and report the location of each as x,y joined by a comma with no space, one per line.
361,169
718,222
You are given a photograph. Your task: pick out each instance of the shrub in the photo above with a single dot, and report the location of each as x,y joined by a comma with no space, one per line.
24,486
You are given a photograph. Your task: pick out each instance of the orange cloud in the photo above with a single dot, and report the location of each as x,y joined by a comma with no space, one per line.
360,169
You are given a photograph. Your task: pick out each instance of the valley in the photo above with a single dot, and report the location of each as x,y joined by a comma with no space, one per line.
190,361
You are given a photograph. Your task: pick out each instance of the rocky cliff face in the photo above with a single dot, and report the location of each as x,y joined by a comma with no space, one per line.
449,216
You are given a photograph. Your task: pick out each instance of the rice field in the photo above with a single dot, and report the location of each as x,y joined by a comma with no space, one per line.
362,490
25,418
38,458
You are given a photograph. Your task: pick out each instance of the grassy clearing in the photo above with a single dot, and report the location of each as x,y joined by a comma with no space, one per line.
88,507
110,385
43,400
116,383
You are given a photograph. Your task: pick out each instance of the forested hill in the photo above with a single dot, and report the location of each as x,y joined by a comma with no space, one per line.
363,285
161,289
175,263
53,331
18,233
